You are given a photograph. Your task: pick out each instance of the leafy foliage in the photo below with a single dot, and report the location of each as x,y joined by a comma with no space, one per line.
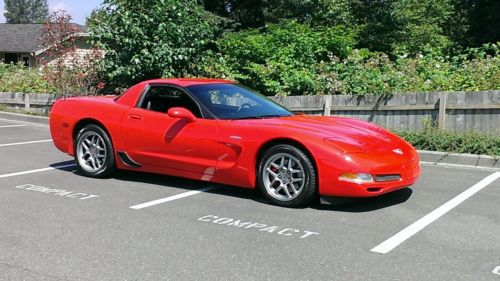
63,66
389,26
398,46
19,79
419,25
296,59
295,47
280,59
479,22
364,72
430,138
148,39
26,11
257,13
405,26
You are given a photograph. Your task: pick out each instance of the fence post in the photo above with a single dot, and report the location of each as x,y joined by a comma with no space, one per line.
327,105
27,104
443,96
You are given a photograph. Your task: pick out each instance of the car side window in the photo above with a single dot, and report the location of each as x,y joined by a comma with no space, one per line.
161,98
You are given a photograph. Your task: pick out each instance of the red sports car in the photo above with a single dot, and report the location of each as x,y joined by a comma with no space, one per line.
219,131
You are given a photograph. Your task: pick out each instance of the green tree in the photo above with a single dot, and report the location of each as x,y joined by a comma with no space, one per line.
243,13
281,59
39,10
420,25
484,21
150,38
404,26
257,13
377,22
26,11
314,12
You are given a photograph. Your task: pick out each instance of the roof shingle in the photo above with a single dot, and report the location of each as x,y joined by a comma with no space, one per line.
22,38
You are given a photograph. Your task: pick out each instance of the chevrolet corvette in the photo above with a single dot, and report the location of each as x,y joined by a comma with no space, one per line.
219,131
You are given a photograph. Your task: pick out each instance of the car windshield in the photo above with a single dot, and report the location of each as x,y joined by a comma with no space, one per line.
230,101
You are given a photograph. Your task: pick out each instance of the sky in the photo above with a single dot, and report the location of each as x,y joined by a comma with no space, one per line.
78,9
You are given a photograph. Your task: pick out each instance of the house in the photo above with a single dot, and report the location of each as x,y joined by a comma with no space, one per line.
21,43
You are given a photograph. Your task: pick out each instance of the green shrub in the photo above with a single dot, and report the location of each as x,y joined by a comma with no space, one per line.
280,59
364,72
431,138
20,79
295,59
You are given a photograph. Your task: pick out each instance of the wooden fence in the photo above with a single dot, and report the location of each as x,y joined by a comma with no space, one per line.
455,111
39,103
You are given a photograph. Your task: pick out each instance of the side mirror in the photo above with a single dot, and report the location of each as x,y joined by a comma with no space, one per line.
182,113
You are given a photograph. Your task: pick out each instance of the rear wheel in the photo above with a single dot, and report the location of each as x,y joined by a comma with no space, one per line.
94,154
287,176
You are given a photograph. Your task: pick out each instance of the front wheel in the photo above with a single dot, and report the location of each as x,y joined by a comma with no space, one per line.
287,176
94,154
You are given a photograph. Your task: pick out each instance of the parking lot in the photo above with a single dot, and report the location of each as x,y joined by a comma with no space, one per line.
58,225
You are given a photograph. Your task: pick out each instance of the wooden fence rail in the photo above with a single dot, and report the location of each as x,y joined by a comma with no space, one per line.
40,103
455,111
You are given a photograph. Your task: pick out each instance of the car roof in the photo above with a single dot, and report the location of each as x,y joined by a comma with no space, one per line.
185,82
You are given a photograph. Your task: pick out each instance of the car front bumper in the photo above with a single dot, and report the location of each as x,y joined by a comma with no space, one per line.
331,185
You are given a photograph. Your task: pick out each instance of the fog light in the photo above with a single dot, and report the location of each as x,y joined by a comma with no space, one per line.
356,177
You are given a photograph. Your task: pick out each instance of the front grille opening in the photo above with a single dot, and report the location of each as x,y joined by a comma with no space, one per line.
384,178
373,189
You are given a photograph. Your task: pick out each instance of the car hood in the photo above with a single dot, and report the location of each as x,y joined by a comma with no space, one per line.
348,135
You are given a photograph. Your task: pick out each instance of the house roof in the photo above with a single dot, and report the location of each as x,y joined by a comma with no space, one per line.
23,38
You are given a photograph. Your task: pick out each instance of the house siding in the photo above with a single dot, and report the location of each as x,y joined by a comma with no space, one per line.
79,57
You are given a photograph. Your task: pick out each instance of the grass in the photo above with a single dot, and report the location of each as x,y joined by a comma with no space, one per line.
431,138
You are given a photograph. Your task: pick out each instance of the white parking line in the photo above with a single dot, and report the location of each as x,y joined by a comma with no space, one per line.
21,143
25,123
36,171
172,198
412,229
13,126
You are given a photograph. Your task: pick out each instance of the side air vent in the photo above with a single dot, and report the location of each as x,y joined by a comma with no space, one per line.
127,160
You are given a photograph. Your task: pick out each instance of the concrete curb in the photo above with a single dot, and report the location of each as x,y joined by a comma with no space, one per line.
473,160
25,117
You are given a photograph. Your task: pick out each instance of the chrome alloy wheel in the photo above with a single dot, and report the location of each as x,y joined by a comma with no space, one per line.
91,151
283,177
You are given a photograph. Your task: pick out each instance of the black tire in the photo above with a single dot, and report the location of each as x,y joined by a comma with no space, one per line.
308,189
87,166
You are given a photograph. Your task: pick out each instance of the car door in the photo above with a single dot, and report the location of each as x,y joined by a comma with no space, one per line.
152,137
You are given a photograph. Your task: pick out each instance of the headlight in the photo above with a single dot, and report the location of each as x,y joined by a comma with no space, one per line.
356,177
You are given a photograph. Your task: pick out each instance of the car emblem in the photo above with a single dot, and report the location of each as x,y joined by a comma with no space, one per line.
398,151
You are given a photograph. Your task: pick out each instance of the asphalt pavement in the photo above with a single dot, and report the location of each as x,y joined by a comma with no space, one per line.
56,224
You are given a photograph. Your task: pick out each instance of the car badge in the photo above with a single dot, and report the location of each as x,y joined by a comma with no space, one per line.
398,151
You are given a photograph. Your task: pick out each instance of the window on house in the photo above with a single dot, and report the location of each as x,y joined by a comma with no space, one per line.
10,58
26,60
